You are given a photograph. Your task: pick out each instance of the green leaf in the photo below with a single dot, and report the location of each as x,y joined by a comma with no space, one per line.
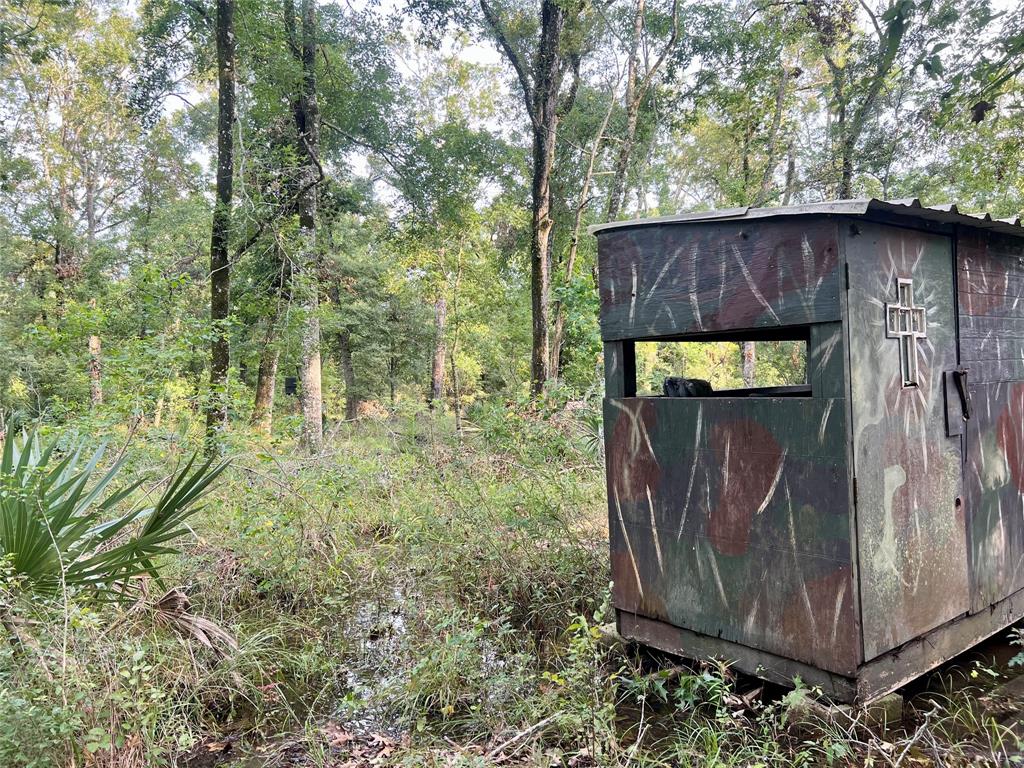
63,527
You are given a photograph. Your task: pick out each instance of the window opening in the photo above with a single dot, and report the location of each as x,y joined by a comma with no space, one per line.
725,367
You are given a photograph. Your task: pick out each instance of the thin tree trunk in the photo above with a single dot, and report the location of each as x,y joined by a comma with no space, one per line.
456,388
541,80
217,409
748,352
310,375
787,196
637,88
393,360
540,257
266,376
437,368
617,193
95,345
769,168
392,373
95,368
456,394
348,373
266,380
307,119
846,175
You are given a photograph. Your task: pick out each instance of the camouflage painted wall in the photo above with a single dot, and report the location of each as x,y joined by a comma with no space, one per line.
733,516
991,305
911,537
664,280
730,516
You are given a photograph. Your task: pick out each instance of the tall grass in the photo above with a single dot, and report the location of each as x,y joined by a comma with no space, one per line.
425,598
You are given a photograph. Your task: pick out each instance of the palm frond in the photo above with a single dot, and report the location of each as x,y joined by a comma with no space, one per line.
64,526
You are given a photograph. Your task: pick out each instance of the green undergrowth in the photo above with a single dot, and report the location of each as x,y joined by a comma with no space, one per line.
410,597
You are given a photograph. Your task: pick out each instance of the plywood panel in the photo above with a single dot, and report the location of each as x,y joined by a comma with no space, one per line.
991,277
730,517
674,279
912,546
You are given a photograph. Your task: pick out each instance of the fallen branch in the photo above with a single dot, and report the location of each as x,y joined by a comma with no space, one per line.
538,726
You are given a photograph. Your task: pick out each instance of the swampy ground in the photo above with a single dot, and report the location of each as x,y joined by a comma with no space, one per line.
413,597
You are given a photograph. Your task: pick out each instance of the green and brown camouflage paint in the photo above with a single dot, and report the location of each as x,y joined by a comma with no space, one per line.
990,271
835,528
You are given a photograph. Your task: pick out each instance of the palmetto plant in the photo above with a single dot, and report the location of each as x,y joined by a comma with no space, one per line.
64,528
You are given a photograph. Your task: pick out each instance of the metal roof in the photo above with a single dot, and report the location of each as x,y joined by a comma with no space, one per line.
947,213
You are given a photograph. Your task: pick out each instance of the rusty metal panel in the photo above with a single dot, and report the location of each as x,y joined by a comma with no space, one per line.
991,305
910,528
678,279
730,517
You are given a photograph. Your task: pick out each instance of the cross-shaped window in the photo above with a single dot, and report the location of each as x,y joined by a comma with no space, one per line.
905,322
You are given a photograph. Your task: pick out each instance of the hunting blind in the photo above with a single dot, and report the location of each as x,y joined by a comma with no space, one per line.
855,529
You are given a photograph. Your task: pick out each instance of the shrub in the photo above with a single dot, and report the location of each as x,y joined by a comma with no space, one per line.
61,527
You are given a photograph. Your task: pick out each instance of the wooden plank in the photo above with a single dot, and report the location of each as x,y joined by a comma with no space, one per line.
993,478
913,549
731,517
992,346
826,359
979,324
994,371
753,661
619,369
678,279
915,658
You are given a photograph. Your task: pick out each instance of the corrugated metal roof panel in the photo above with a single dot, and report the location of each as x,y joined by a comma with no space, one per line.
948,213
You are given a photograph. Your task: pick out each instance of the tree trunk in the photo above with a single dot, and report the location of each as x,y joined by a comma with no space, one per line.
217,409
846,171
765,193
617,193
558,336
310,375
456,394
790,190
637,87
437,369
540,76
748,352
540,239
95,371
456,327
541,79
348,373
266,381
307,123
392,373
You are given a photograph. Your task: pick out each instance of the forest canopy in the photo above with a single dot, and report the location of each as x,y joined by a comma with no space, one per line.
398,193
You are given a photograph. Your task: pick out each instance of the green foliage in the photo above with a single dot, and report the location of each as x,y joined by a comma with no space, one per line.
61,529
408,578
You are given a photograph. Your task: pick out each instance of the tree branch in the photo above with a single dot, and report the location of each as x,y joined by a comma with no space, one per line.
200,10
648,78
566,102
520,67
873,17
384,155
